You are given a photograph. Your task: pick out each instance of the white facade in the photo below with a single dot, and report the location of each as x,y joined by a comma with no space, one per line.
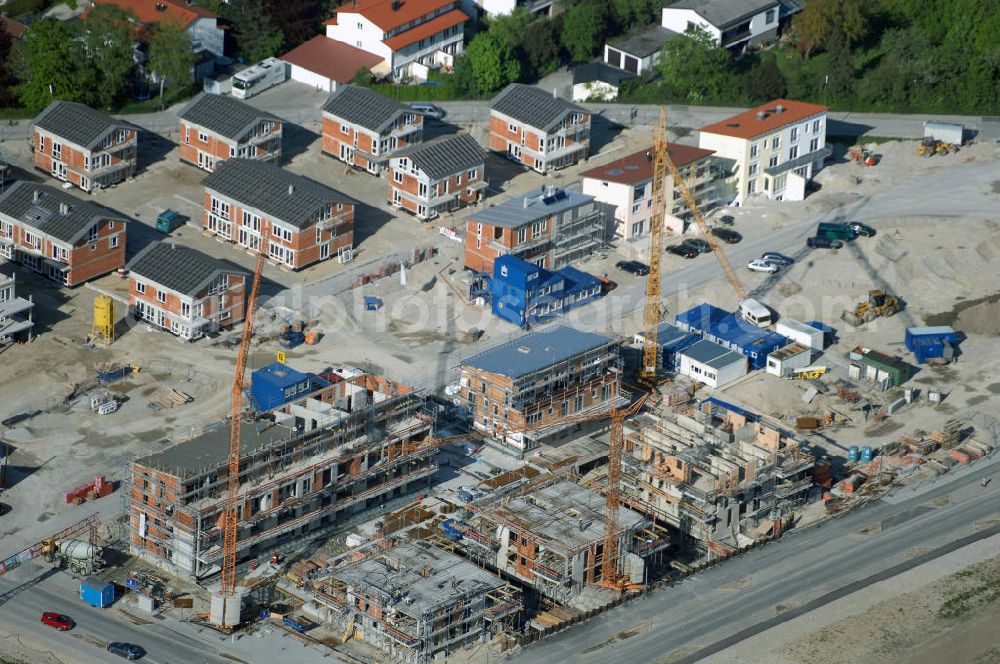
801,333
616,57
494,8
784,361
759,159
633,206
312,79
759,27
709,363
594,90
680,20
206,34
359,32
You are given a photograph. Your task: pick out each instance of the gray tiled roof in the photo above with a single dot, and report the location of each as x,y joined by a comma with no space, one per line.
712,354
532,106
271,189
643,42
46,214
724,13
226,116
177,267
598,71
536,204
78,123
536,350
363,107
446,155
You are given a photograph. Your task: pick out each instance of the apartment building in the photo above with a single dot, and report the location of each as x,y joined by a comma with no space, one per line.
214,128
318,464
520,391
552,538
538,129
717,473
365,129
416,602
494,8
550,227
626,186
182,290
61,236
74,143
200,25
777,148
295,221
732,24
437,176
411,36
16,323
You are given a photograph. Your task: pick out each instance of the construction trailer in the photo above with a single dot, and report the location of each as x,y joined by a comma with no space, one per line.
731,331
309,468
931,343
551,537
415,602
717,473
785,361
710,364
519,391
884,370
669,339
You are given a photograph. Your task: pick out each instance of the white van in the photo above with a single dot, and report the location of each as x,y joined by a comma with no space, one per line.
430,110
756,313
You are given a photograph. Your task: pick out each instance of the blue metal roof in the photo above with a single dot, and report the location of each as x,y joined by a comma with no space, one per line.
712,354
673,338
536,350
700,317
536,204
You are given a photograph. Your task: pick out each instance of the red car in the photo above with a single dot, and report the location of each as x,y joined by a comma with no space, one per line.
57,621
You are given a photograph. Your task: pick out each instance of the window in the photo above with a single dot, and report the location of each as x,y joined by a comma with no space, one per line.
186,309
751,186
458,179
187,135
473,173
140,287
319,235
232,152
220,208
92,233
753,169
361,26
512,128
816,126
776,142
794,134
773,161
111,224
202,136
522,234
344,129
57,150
6,228
639,192
814,145
397,176
635,208
753,151
251,221
41,143
281,233
161,296
793,152
503,270
113,241
770,16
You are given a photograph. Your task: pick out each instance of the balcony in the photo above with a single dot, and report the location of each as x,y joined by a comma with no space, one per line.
405,130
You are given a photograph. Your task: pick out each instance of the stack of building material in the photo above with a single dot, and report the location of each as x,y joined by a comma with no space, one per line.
174,398
97,488
851,484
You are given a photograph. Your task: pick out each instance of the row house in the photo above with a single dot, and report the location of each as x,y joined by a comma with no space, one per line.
363,128
61,236
539,130
214,128
295,221
409,35
550,227
626,185
182,290
776,147
521,391
438,176
76,144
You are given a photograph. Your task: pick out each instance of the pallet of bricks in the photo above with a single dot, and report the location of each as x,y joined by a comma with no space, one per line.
969,451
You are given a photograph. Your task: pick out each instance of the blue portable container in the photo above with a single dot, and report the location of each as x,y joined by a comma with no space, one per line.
97,593
852,454
867,454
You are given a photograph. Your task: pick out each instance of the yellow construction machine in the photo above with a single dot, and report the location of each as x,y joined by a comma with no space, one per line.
928,147
879,303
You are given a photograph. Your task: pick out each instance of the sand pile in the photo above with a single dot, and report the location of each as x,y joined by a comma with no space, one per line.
981,316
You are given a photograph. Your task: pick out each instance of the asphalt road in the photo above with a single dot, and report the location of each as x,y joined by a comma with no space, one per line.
730,602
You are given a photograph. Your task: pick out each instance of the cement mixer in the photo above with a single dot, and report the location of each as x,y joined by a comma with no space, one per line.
80,556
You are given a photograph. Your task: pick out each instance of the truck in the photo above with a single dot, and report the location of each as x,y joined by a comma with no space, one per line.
262,76
836,231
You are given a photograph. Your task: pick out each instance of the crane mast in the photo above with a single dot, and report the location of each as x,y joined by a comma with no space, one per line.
235,416
650,347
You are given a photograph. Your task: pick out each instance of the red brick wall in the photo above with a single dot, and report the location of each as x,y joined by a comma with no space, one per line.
234,298
73,156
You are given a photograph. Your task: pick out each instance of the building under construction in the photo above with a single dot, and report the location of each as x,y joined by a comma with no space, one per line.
416,602
309,467
715,472
551,537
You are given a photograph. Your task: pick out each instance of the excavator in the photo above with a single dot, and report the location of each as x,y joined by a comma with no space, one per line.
879,303
929,147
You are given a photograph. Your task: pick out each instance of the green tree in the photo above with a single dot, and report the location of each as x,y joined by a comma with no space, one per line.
840,70
363,78
814,25
765,81
107,41
540,47
584,29
631,14
53,64
693,68
6,49
255,35
491,63
510,28
170,56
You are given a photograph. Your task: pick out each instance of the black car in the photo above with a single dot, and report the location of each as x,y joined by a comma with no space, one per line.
776,258
700,246
129,651
681,250
727,219
862,230
824,243
634,267
726,235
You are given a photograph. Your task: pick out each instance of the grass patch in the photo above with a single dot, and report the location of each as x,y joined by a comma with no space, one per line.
980,587
152,105
864,139
15,114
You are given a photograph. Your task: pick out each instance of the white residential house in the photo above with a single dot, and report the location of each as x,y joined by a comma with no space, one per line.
733,24
494,8
777,148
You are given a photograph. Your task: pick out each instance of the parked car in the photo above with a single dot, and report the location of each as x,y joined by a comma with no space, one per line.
824,243
634,267
57,621
727,219
682,250
862,229
776,258
129,651
168,220
701,246
761,265
429,110
726,235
